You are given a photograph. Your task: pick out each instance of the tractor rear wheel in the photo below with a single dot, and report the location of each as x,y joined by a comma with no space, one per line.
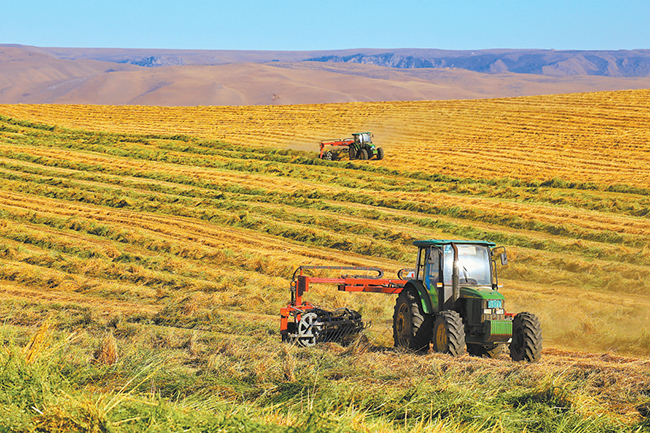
353,153
380,153
363,154
491,351
411,326
449,333
526,344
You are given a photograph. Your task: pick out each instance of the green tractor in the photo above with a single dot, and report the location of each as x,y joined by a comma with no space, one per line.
452,301
362,148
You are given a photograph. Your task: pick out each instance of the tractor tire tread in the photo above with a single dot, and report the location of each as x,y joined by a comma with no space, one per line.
532,338
363,155
455,333
421,323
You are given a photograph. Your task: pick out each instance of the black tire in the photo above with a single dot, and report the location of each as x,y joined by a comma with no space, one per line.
353,153
449,333
380,153
328,156
363,154
492,351
526,344
411,327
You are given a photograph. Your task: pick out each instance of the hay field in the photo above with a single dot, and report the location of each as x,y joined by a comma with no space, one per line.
591,137
144,228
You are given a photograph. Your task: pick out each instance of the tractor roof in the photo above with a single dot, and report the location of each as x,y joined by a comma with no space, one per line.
359,133
439,242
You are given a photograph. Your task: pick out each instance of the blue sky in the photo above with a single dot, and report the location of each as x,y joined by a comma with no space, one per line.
327,24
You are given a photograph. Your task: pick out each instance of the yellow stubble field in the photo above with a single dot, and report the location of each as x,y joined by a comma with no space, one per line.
181,238
593,137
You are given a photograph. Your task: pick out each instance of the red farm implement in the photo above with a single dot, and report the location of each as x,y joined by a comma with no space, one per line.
306,324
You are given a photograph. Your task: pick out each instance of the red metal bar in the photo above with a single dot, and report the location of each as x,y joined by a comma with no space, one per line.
339,142
284,318
382,286
373,285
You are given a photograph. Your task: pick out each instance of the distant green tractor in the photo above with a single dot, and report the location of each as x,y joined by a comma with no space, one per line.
452,300
363,147
360,146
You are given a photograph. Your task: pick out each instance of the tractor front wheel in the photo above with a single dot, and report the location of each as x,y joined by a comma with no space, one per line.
449,333
380,153
411,327
526,344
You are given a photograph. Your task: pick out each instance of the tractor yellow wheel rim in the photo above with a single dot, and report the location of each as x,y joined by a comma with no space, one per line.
441,337
402,322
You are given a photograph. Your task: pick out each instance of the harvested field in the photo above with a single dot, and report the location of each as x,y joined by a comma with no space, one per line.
175,230
591,137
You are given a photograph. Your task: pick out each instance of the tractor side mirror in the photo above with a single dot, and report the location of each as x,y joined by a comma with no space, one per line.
503,255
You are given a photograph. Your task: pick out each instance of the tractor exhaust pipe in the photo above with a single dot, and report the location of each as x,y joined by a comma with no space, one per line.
455,283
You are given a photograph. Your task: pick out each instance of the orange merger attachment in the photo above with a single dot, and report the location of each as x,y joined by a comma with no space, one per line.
362,283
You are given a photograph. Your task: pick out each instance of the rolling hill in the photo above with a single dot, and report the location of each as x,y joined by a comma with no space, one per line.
115,77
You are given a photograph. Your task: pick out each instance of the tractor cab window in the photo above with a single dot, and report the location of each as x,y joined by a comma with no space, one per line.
365,138
433,264
473,264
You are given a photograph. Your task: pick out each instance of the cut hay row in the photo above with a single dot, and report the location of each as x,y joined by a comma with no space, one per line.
591,220
190,200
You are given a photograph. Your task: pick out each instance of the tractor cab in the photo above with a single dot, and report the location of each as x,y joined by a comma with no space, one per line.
453,272
362,137
442,263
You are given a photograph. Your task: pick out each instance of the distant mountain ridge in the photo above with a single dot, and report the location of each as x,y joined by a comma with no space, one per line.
155,61
540,62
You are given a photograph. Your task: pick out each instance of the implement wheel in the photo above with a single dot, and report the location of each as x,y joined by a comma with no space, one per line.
526,342
449,333
309,329
411,327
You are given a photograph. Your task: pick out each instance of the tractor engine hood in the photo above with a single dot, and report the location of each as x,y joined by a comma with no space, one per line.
480,292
